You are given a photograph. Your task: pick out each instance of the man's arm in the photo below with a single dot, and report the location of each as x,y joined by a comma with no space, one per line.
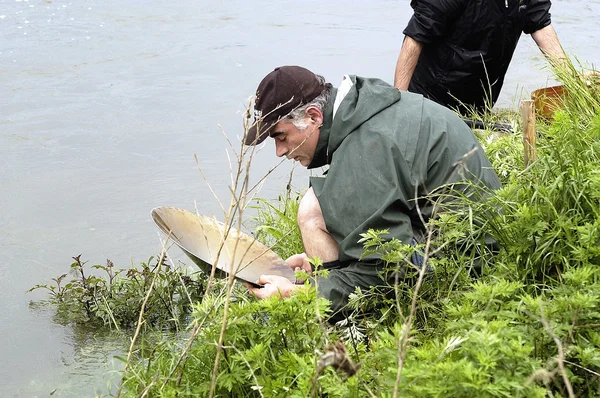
407,61
316,239
547,40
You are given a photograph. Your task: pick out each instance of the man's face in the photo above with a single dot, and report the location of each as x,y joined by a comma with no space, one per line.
296,144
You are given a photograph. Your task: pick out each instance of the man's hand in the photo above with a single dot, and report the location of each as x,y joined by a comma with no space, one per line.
279,285
299,262
273,285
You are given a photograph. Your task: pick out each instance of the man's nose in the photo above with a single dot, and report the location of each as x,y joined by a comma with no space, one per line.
280,149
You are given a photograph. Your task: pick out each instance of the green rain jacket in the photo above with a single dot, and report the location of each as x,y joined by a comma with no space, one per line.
385,148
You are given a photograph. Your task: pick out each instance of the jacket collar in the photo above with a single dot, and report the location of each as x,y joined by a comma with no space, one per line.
322,156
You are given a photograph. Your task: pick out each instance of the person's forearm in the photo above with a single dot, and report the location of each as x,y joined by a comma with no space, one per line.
547,40
316,239
407,61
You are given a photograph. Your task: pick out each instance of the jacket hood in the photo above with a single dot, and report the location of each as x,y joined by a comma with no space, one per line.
366,98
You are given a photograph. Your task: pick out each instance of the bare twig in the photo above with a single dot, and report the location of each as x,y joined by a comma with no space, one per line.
168,258
560,359
335,355
207,183
237,206
582,368
146,390
234,207
239,190
140,321
404,337
590,325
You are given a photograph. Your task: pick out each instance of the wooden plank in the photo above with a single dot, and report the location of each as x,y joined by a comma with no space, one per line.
528,116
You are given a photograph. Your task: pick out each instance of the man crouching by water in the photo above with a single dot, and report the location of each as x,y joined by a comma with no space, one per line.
384,148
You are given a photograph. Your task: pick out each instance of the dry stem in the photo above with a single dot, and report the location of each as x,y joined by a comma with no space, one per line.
141,316
406,329
560,359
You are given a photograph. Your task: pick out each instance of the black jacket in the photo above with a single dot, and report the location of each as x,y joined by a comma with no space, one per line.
468,45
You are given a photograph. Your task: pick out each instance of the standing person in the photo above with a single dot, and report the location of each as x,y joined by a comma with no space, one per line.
458,51
386,151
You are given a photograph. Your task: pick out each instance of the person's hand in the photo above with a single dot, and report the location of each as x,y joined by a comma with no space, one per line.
299,262
273,285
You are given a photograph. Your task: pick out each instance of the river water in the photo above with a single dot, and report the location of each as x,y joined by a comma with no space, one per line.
103,105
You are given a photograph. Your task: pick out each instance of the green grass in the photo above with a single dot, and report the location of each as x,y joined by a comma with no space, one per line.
276,224
522,321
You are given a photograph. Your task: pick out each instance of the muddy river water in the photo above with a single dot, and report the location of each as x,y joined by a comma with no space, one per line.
103,105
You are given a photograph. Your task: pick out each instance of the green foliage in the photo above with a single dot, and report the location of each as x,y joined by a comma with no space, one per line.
270,349
582,101
508,304
116,300
505,152
277,226
548,218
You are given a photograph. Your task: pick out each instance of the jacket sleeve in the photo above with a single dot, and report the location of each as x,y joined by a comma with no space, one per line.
431,18
370,189
537,16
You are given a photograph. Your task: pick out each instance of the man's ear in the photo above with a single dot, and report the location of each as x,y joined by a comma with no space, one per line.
315,115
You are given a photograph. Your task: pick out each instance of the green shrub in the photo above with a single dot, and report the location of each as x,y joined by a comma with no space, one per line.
116,300
509,305
269,349
276,225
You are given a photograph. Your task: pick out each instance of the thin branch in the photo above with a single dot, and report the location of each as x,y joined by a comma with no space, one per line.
560,359
413,309
583,368
187,293
140,321
405,334
207,183
236,207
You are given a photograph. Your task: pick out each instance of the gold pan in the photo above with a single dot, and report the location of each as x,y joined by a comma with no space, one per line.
201,237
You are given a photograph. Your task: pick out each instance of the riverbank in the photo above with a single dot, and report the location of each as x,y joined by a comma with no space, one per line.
105,104
519,321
